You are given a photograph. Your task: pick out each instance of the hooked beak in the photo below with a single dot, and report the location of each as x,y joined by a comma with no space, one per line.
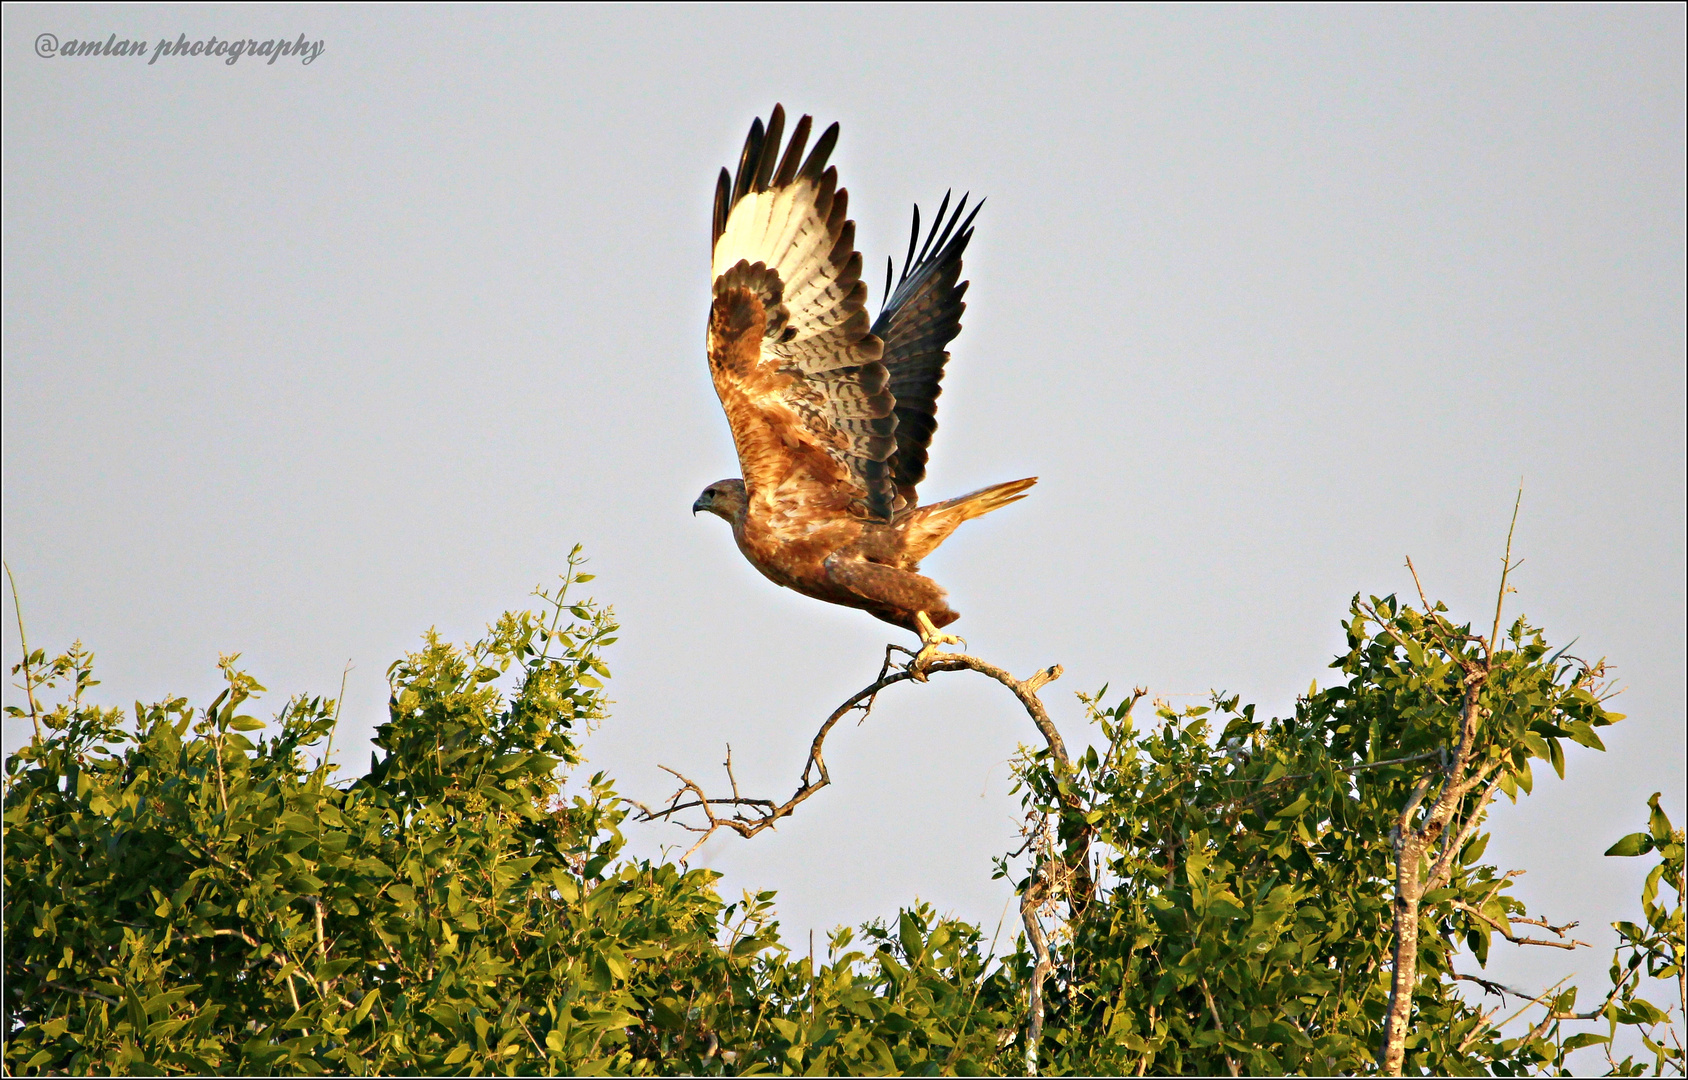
699,505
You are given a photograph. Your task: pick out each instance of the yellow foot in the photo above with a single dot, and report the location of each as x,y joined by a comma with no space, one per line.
930,639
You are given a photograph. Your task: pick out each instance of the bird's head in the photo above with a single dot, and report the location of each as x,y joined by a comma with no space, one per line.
725,499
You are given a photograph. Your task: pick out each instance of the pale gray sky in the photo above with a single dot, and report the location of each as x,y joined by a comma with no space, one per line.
301,360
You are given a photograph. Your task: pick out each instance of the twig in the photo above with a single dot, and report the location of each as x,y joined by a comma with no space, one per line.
81,993
1493,987
1365,765
1506,932
328,752
1419,585
28,669
543,1056
316,905
984,968
322,947
1533,1001
1478,1028
1218,1024
1545,925
1506,566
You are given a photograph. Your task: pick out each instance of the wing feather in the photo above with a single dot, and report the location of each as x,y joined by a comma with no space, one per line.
921,317
790,344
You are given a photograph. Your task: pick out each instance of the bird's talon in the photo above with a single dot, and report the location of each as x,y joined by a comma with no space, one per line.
930,639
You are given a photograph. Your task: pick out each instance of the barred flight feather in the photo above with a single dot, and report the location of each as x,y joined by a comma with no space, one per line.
781,231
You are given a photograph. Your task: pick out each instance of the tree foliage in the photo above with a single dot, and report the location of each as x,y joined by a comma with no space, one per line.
190,890
1244,919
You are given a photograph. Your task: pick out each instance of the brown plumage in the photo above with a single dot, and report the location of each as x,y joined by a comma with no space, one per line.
832,417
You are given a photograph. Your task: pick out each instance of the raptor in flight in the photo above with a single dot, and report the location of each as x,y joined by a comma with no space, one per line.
832,417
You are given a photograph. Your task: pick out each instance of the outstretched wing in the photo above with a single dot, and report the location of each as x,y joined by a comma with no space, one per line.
792,358
919,320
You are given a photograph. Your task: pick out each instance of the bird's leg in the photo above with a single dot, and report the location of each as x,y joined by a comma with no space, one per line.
930,639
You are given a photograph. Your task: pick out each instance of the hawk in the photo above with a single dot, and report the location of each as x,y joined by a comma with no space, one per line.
832,417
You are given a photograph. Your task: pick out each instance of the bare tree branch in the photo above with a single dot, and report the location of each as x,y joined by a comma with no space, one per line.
1492,987
748,816
1055,876
1505,931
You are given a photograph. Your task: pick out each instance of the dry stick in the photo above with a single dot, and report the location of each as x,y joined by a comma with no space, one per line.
1506,566
1492,987
990,953
28,669
335,725
766,812
1501,928
1364,765
752,815
1535,1032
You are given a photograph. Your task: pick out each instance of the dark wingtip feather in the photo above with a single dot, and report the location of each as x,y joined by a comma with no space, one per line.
913,239
943,238
766,157
793,153
816,162
747,160
723,203
890,266
966,226
937,219
919,321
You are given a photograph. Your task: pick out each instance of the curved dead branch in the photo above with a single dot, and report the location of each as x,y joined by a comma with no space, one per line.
748,816
1056,875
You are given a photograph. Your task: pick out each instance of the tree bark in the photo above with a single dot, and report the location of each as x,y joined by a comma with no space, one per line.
1408,890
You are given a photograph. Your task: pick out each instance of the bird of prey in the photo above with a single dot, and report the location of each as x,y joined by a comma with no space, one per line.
832,417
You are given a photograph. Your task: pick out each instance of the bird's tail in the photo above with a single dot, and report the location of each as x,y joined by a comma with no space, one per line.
973,504
926,528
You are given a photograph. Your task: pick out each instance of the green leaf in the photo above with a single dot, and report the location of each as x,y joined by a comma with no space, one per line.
1585,734
1639,1011
1585,1038
1474,849
1657,822
667,1018
1300,804
1633,844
